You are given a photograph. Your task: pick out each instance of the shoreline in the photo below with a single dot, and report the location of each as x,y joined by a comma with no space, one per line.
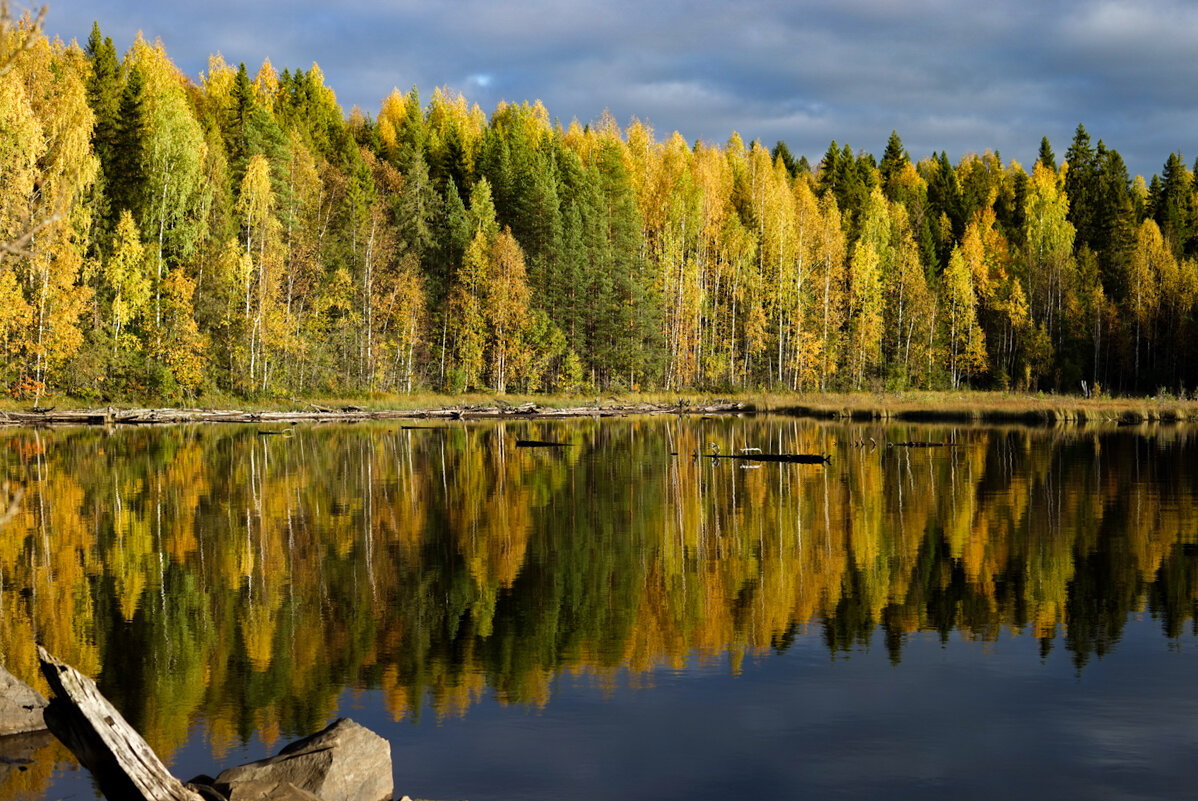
976,408
112,416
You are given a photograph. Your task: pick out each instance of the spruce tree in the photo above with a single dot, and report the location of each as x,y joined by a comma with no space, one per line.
1081,187
127,177
781,151
894,159
1046,157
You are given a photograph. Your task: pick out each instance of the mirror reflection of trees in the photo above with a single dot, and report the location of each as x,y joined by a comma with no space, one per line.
243,581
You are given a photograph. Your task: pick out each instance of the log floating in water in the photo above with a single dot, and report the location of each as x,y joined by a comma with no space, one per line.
911,444
538,443
270,432
798,458
794,458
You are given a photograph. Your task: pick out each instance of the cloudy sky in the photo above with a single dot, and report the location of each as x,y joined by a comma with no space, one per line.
946,74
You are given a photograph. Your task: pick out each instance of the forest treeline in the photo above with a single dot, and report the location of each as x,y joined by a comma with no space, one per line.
168,237
213,575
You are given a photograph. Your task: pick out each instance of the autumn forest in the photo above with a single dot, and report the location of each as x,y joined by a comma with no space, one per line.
169,238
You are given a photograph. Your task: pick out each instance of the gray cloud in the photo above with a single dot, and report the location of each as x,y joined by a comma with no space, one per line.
945,75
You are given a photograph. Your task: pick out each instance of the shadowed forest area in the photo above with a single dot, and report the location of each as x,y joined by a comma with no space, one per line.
238,234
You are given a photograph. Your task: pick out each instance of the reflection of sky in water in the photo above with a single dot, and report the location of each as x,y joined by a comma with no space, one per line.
962,720
965,720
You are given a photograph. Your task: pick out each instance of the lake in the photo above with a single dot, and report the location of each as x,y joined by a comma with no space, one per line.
939,612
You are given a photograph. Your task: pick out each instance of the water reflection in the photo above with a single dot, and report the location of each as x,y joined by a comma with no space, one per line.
217,576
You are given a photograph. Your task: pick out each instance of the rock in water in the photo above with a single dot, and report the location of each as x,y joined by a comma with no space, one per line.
345,762
269,791
20,706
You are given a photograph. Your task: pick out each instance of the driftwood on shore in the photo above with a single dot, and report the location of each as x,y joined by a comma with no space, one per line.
344,762
110,415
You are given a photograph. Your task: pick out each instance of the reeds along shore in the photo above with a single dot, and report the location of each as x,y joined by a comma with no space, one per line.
915,407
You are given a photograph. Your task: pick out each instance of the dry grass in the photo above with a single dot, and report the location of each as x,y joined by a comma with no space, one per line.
983,406
915,405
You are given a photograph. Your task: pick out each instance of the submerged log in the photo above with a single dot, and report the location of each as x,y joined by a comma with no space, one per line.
123,764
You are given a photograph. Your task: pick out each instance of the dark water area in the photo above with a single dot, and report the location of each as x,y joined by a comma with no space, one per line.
939,612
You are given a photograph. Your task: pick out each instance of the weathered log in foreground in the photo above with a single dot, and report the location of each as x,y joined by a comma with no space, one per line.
122,763
345,762
320,414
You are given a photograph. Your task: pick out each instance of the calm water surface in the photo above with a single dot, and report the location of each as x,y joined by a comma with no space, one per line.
1009,612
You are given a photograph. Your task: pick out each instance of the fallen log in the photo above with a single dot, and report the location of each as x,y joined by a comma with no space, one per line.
316,414
796,458
537,443
344,762
123,764
918,444
793,458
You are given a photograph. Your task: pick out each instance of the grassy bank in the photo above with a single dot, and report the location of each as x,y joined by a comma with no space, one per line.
906,406
982,407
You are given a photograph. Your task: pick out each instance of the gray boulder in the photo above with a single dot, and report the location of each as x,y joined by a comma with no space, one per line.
20,706
345,762
270,791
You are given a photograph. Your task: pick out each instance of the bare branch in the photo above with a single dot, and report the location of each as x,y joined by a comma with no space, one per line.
10,501
19,246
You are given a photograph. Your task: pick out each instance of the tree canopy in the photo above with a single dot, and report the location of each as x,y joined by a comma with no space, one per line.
285,248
